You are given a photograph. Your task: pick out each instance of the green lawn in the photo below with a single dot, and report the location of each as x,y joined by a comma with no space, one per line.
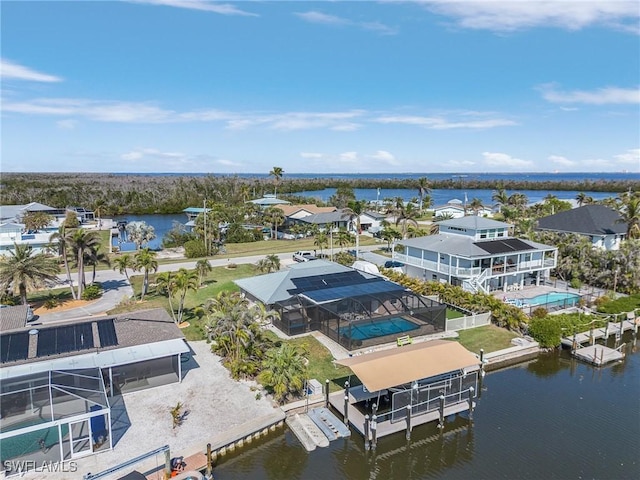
490,338
452,313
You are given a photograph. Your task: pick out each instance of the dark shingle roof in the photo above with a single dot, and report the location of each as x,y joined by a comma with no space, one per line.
586,220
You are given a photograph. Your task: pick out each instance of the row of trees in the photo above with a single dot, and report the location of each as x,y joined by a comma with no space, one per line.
138,194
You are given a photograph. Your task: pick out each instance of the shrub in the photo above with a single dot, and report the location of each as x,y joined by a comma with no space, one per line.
52,301
92,292
575,283
620,305
539,312
546,331
194,249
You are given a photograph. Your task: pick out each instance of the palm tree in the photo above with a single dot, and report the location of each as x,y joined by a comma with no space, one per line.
62,244
629,210
406,215
82,242
501,198
344,238
284,371
166,286
275,216
353,211
321,241
123,263
423,190
183,281
271,263
276,173
98,207
145,260
203,267
580,198
476,205
94,257
22,270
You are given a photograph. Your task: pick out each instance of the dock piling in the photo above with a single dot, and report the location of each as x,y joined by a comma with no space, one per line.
326,393
441,423
167,463
367,441
207,473
346,410
408,435
471,390
374,431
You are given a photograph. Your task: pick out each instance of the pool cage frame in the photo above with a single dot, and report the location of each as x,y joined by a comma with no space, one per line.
338,319
69,408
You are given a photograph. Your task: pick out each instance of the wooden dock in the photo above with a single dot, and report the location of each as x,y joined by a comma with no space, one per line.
590,336
598,355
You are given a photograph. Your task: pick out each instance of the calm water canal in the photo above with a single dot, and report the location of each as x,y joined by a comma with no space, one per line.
551,418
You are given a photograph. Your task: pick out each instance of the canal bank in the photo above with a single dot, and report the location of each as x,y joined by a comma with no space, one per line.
549,417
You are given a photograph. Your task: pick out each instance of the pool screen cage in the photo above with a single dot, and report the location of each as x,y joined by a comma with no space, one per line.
352,321
53,416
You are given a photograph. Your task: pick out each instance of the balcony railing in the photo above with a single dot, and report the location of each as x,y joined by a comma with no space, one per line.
468,272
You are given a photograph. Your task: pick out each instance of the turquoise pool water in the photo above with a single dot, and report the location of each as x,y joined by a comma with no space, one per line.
381,328
554,299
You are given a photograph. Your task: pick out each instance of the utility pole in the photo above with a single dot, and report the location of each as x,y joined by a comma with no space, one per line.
204,212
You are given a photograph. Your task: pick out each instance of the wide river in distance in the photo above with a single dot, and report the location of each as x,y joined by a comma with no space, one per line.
550,418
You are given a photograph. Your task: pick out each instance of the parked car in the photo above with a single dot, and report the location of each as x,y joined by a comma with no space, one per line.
393,264
303,256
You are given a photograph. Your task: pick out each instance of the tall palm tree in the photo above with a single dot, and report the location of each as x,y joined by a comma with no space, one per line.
94,257
344,238
423,190
183,281
580,198
22,270
321,241
276,173
123,264
98,207
82,241
354,209
203,267
501,198
145,260
275,217
61,242
406,215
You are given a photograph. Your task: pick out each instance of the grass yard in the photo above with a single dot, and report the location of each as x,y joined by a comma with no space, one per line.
452,313
489,337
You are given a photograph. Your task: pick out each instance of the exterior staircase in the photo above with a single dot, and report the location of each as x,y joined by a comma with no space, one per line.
476,284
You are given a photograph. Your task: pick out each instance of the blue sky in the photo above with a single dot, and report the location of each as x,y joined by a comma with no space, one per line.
345,87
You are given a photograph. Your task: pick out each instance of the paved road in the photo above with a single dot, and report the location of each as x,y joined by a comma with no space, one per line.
116,288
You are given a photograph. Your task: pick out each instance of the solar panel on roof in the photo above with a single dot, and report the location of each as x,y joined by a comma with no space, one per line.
70,338
350,291
320,282
14,346
507,245
107,333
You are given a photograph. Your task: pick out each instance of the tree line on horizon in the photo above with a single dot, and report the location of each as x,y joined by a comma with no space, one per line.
117,194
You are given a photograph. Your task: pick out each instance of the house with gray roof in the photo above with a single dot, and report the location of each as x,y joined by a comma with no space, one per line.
354,308
478,254
602,225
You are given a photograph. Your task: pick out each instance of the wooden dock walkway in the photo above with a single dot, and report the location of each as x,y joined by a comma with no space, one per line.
590,336
598,355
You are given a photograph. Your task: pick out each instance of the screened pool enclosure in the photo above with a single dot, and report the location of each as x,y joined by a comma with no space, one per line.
357,311
53,416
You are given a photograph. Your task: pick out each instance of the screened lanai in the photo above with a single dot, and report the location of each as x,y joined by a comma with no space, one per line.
358,311
53,416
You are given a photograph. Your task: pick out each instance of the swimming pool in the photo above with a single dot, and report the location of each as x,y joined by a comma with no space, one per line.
554,299
389,326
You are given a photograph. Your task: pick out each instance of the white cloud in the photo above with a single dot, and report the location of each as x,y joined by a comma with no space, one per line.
512,15
140,153
560,160
349,157
68,124
440,123
312,155
503,160
333,20
11,70
202,5
601,96
631,156
382,156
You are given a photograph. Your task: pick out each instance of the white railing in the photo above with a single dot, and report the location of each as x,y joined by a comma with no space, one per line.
469,321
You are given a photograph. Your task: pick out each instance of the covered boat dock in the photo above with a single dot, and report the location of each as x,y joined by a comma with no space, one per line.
407,386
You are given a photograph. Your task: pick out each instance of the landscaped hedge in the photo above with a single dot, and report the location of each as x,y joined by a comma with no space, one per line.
621,305
549,330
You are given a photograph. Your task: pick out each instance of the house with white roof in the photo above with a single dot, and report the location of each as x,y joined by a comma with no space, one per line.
478,254
455,208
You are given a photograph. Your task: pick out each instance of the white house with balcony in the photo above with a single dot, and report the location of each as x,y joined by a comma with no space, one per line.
477,254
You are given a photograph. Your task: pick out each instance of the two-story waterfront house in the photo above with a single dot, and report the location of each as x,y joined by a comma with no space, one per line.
478,254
